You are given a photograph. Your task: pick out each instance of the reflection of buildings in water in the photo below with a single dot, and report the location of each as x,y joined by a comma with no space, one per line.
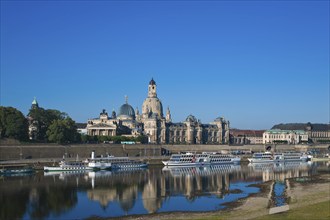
33,195
103,196
203,170
128,197
125,195
151,201
157,185
100,174
194,181
281,171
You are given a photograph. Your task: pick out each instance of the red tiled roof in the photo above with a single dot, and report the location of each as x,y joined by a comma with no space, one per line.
249,133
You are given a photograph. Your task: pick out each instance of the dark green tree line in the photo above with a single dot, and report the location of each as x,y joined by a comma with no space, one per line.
13,124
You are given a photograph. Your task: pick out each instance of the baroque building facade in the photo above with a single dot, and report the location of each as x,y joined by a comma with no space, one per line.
242,137
159,128
285,136
317,133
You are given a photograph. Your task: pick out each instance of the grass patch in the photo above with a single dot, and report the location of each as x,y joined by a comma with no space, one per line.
317,211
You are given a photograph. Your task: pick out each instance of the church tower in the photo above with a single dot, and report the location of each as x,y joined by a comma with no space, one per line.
152,106
152,89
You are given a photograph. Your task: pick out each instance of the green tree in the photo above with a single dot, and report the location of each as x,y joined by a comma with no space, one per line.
142,139
13,124
63,131
42,119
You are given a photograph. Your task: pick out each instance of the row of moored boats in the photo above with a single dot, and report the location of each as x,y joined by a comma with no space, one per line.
212,158
176,160
93,163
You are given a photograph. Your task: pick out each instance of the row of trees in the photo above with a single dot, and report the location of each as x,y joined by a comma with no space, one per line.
49,125
46,125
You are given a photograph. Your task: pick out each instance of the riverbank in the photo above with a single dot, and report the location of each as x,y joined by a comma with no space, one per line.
307,200
44,151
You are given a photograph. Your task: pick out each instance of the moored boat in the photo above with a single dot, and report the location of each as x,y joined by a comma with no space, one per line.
268,157
205,158
262,157
126,163
15,169
116,162
68,166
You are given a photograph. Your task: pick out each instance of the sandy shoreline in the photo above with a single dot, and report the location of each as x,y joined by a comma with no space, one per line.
300,194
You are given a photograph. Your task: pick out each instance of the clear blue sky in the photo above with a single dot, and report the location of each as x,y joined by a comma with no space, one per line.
256,63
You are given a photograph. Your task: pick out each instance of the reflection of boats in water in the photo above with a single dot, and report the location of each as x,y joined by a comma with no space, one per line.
271,166
205,158
65,173
203,170
267,157
15,170
98,174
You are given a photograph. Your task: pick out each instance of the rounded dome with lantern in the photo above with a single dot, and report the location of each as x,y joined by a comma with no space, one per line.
126,111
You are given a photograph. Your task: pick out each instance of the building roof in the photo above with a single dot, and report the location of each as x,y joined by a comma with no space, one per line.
302,126
81,125
102,125
247,133
126,109
279,131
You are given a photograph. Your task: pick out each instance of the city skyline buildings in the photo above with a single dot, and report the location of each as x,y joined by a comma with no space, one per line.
255,63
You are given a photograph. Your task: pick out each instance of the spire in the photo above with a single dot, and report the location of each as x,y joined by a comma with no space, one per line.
168,115
126,99
34,103
113,114
152,81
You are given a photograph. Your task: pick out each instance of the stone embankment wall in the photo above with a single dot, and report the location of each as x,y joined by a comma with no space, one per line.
16,152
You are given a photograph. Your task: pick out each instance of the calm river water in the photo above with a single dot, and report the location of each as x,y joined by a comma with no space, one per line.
153,190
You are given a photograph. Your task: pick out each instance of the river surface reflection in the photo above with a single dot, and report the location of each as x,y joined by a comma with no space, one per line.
65,195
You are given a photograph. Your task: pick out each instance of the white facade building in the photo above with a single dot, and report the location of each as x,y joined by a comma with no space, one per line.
285,136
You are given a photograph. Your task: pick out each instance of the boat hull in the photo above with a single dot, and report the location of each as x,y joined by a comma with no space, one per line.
16,171
129,166
181,164
59,168
253,160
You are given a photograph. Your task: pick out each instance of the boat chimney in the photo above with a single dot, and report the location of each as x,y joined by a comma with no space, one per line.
93,154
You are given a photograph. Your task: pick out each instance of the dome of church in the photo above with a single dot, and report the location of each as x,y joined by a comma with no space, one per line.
154,105
127,110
